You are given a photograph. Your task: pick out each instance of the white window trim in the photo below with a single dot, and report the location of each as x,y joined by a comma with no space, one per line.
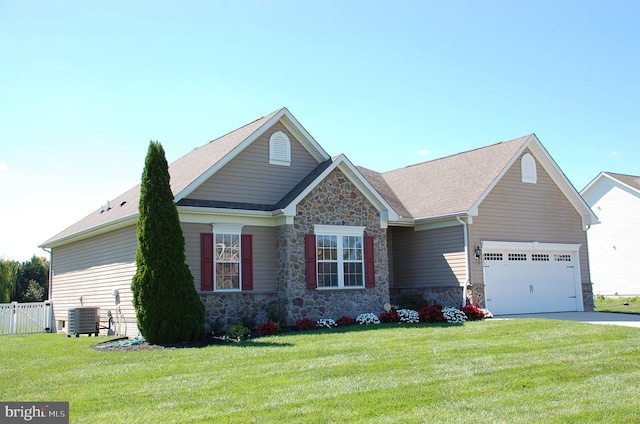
234,230
339,231
285,159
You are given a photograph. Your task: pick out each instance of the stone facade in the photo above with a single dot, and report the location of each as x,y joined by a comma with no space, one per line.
335,201
443,296
587,297
475,295
226,309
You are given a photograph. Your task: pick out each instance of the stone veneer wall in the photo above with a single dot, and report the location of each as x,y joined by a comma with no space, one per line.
443,296
335,201
587,298
222,310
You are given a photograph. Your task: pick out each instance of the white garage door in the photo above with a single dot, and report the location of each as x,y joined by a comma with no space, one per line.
531,277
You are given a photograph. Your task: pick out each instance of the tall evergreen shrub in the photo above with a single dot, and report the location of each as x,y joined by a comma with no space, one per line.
168,309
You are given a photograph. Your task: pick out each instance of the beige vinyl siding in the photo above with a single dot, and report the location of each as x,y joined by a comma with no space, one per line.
264,254
429,258
517,211
249,178
91,269
191,233
264,257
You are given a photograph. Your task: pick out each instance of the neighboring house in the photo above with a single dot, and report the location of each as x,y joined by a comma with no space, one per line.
268,216
615,243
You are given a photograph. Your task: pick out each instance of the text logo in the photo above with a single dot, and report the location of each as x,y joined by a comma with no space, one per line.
35,412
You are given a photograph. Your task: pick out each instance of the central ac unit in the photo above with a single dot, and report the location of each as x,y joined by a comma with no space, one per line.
84,320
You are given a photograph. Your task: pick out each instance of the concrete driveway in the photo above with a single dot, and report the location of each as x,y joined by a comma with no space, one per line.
629,320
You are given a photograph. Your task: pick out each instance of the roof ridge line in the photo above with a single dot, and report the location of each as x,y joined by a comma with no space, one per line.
245,125
461,153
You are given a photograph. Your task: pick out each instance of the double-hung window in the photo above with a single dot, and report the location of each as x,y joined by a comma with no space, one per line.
340,256
227,261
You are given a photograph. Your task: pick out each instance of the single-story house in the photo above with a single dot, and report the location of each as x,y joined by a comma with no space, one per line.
615,243
269,216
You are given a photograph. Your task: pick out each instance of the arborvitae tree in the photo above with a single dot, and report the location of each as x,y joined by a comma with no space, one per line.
167,306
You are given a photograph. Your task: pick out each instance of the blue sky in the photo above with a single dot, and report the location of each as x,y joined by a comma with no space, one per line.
84,87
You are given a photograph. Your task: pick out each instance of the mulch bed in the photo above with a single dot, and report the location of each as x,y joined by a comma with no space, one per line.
126,345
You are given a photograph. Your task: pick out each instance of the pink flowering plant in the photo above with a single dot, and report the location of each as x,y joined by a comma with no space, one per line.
431,314
268,328
390,317
306,323
345,321
473,313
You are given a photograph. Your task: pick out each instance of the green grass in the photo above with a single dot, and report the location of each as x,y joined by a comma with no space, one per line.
496,371
611,304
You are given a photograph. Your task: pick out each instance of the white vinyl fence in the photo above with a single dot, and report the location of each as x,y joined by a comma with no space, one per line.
23,318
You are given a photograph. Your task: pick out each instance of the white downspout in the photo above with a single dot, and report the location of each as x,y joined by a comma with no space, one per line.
50,279
466,260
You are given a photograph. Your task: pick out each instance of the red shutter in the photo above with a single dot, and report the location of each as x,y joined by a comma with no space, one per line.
206,262
369,263
310,258
246,259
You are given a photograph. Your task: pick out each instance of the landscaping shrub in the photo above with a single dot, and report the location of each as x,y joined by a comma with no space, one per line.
326,323
431,314
345,321
268,328
368,318
390,317
487,313
306,324
408,316
454,315
473,313
239,332
275,310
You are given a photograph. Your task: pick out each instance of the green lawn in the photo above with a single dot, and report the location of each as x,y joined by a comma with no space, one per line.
511,371
628,305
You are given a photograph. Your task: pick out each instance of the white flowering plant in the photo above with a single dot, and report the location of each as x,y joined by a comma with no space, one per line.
453,315
408,316
326,323
487,313
368,318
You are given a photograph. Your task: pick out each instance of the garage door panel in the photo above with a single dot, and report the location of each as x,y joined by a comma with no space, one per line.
530,282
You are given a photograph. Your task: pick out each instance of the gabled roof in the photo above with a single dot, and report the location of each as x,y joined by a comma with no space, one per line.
341,162
630,181
448,185
456,185
188,172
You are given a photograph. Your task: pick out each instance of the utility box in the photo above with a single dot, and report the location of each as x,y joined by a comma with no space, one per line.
84,320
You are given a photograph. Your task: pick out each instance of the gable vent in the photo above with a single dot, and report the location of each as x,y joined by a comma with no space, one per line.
279,149
528,169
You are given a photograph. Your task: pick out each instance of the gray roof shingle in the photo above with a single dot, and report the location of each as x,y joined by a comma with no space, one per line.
447,185
183,172
630,180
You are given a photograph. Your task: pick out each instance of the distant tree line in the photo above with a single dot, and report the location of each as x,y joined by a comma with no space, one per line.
24,281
